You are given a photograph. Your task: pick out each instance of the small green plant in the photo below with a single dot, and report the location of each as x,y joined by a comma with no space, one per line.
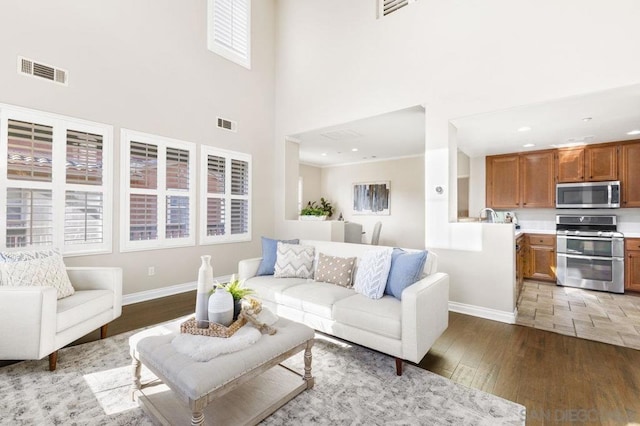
313,209
237,289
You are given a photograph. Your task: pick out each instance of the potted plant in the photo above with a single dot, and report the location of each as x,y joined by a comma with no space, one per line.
313,211
238,291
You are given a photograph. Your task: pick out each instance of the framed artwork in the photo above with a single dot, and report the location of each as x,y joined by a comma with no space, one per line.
371,198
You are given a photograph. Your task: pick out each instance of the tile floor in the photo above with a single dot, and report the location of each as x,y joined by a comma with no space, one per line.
594,315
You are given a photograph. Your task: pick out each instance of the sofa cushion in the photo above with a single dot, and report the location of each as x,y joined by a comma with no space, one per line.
81,306
373,270
294,261
269,253
315,297
335,270
406,269
35,268
381,316
269,288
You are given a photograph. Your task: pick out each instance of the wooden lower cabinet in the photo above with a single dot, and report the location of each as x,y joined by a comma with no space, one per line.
521,250
632,264
541,257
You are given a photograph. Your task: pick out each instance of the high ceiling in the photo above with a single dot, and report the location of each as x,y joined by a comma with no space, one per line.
599,117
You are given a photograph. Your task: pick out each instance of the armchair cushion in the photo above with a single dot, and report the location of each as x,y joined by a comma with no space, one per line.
35,268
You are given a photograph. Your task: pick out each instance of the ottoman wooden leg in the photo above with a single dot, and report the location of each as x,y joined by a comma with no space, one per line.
197,418
136,366
307,365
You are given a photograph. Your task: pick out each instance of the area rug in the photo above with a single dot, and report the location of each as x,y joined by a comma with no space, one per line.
354,385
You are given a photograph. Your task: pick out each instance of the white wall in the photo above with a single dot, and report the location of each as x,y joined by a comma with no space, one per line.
311,188
455,58
144,65
404,226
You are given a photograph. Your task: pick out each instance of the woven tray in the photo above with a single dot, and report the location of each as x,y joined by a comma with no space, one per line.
214,330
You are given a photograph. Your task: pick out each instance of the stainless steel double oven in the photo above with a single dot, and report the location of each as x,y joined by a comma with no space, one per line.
590,253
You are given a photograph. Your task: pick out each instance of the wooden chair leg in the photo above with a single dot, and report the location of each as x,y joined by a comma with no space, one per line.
53,360
398,366
103,331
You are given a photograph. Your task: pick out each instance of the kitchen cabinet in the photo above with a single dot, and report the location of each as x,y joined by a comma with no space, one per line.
588,164
521,253
541,257
503,183
521,180
632,264
630,174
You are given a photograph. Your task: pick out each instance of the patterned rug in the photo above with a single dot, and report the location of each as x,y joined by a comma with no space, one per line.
354,385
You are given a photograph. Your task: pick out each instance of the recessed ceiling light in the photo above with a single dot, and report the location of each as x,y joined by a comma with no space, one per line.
586,119
354,149
634,132
324,154
529,145
524,129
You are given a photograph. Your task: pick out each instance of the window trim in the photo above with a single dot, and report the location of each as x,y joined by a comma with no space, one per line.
219,48
161,192
58,184
205,151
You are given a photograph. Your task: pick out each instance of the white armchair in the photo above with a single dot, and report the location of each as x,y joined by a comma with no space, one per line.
33,323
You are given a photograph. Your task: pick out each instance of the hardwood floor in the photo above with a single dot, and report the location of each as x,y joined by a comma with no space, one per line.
559,379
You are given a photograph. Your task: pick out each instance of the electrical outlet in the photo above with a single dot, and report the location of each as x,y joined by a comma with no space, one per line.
152,271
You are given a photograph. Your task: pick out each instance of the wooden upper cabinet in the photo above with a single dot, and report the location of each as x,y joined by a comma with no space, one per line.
538,179
630,175
503,182
601,163
571,165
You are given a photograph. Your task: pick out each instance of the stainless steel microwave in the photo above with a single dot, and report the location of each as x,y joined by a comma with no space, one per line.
588,195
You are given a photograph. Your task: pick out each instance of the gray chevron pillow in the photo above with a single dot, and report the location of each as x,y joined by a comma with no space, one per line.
373,271
294,261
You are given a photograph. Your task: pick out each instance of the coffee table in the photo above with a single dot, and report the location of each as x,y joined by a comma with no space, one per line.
242,387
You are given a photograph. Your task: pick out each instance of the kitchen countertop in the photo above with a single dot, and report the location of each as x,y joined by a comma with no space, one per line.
521,231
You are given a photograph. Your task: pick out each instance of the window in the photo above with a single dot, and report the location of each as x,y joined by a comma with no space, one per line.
158,192
225,196
229,30
385,7
55,183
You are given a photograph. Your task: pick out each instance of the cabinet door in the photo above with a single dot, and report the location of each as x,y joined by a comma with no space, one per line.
503,183
538,179
632,271
571,165
542,261
601,163
630,179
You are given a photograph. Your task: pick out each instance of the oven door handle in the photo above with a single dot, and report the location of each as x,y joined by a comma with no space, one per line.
579,256
568,237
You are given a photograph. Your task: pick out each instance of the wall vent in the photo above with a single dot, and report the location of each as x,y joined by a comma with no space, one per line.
223,123
38,69
386,7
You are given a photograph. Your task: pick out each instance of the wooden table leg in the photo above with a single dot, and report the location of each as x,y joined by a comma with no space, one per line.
136,366
307,365
197,418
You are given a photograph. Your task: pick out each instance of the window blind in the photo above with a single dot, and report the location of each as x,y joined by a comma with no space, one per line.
177,225
239,216
216,174
84,158
177,169
239,177
83,217
29,151
390,6
143,165
231,25
215,216
143,217
29,217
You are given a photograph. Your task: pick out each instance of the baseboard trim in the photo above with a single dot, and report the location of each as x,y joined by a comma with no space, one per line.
157,293
487,313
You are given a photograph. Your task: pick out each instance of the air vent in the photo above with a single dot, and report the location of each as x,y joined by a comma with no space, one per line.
40,70
341,134
386,7
223,123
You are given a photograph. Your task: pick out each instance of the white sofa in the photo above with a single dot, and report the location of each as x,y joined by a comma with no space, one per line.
404,329
34,323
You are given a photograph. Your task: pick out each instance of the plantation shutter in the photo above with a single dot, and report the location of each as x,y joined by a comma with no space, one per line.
29,151
29,217
231,25
84,158
389,6
83,217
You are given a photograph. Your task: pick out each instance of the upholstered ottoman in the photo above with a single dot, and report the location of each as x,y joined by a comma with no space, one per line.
241,387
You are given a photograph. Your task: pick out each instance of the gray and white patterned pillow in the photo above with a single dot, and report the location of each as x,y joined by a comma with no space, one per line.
294,261
35,268
373,272
335,270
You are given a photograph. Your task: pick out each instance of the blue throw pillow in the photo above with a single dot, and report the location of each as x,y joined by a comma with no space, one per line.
269,255
406,269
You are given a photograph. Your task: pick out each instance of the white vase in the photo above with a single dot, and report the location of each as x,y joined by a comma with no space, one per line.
221,307
205,284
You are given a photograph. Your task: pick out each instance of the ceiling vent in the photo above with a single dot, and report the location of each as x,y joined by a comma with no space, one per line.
40,70
223,123
341,134
386,7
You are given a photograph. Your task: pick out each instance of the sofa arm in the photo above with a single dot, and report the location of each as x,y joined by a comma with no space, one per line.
248,268
27,322
99,278
425,315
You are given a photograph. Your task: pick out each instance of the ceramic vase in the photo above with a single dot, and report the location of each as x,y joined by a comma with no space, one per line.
205,283
221,307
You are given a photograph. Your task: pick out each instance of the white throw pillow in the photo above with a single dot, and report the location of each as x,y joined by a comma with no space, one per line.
373,272
294,261
35,268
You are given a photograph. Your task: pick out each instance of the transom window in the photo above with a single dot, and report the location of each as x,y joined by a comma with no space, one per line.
158,202
55,182
225,196
229,30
